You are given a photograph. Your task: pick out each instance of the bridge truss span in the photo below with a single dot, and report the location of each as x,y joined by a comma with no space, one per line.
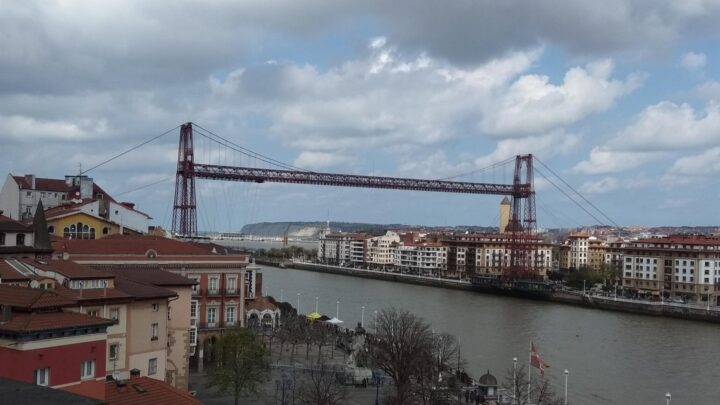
259,175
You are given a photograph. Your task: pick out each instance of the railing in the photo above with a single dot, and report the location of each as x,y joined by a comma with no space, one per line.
231,291
217,325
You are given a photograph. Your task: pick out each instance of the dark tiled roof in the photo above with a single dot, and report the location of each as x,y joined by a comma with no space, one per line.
94,294
8,224
68,269
21,393
46,321
260,304
30,298
142,291
146,391
155,277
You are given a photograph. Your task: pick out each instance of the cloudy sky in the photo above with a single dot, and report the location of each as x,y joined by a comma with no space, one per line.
621,98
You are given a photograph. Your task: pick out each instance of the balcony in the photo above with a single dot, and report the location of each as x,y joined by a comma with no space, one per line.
231,292
217,325
213,292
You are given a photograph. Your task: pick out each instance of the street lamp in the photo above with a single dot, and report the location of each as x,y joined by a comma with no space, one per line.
362,317
566,379
515,379
298,303
667,398
316,304
375,322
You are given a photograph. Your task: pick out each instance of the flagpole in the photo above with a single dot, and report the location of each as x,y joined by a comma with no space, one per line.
529,365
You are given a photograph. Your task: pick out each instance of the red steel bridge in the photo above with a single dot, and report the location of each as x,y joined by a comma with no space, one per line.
522,226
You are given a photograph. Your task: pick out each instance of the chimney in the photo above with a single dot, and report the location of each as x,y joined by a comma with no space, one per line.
134,373
30,178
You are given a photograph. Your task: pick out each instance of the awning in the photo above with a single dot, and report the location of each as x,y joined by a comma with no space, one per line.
314,316
334,321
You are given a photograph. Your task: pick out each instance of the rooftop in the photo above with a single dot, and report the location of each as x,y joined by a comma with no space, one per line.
46,321
683,240
142,291
30,298
153,276
8,224
146,391
129,245
68,269
21,393
56,185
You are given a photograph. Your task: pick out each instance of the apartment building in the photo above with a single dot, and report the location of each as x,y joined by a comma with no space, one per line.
381,249
596,254
343,248
225,284
422,258
579,245
683,265
489,254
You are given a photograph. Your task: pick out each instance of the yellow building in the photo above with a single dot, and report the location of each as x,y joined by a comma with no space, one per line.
75,224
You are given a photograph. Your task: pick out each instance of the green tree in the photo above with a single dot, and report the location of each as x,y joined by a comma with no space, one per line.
240,365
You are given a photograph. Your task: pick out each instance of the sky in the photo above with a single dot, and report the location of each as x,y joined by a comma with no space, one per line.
620,98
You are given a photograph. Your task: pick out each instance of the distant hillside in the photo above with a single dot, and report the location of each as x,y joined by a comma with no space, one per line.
313,229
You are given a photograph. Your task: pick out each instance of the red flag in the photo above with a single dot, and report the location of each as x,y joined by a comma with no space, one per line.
537,361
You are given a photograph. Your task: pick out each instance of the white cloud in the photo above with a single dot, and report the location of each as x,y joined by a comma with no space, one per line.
709,90
543,146
533,104
603,160
693,61
670,126
320,160
29,129
703,164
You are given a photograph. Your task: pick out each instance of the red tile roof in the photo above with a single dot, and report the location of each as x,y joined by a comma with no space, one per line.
142,291
42,321
683,240
94,294
29,298
128,245
8,273
579,235
146,391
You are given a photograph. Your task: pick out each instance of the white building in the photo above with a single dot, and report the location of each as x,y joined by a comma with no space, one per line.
20,195
381,249
343,248
424,258
579,243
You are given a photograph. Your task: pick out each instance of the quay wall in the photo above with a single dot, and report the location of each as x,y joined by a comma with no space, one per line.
680,311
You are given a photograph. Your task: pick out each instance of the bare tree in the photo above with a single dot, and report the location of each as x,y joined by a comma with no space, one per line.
437,383
321,337
321,386
401,350
541,392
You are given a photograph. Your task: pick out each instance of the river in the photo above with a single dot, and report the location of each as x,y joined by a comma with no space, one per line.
612,358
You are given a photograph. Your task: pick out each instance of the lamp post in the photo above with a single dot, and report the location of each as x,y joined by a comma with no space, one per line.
375,322
583,287
298,303
316,304
337,310
566,380
667,398
362,317
515,380
615,291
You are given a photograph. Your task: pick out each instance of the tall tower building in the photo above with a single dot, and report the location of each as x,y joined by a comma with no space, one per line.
504,214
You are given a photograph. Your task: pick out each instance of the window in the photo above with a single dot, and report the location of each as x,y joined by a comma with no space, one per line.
114,313
193,337
155,307
20,239
51,229
152,366
154,331
87,369
213,284
193,309
114,351
42,376
212,315
231,284
105,230
230,315
93,312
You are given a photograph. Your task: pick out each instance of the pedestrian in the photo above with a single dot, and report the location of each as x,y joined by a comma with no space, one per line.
467,396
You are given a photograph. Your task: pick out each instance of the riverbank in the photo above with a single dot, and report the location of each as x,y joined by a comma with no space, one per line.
671,310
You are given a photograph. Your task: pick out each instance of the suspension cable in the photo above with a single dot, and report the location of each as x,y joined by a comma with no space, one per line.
537,169
492,166
578,193
129,150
